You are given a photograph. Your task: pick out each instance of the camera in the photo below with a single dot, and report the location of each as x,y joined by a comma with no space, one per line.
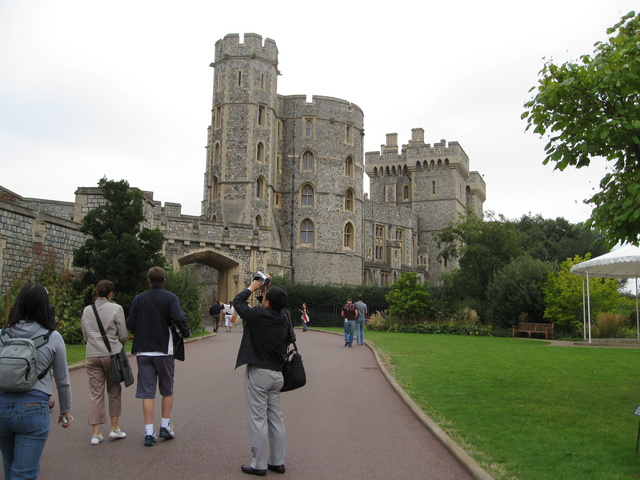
262,278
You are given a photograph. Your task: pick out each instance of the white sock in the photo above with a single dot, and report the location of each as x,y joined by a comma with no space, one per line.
164,422
148,429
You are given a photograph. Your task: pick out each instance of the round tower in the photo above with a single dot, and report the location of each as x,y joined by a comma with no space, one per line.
242,137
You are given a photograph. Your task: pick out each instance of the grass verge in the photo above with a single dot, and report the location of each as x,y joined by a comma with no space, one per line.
525,410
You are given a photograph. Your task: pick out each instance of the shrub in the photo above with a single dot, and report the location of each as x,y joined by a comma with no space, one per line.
610,325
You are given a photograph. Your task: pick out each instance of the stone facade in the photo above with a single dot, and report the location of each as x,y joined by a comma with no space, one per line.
283,192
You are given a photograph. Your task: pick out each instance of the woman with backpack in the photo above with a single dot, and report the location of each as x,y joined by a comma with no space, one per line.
99,359
25,414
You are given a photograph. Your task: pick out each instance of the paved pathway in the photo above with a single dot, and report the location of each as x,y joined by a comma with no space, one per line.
347,423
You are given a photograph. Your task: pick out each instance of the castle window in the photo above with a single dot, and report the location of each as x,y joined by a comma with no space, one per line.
348,166
379,243
261,116
348,236
278,200
262,82
260,187
468,196
406,192
239,78
306,232
400,240
218,116
349,135
216,153
260,156
215,188
348,201
433,187
308,128
257,222
279,163
307,162
306,196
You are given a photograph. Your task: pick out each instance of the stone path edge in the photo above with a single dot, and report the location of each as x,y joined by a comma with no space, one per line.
463,457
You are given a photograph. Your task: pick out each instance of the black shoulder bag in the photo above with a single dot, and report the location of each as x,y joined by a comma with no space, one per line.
178,341
120,368
293,370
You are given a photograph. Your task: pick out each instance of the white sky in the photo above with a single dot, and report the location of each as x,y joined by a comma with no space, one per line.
123,88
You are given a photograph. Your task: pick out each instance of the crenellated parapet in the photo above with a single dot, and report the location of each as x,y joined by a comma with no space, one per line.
252,47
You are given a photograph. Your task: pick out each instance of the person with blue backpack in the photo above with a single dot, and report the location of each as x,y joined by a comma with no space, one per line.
25,408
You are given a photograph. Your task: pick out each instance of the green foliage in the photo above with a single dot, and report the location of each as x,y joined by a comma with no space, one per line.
517,289
118,249
590,109
556,240
408,300
464,322
563,294
185,285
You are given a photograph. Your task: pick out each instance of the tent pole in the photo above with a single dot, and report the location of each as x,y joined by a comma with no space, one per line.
637,316
589,305
584,313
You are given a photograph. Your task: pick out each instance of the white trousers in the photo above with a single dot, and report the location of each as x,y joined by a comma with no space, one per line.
266,427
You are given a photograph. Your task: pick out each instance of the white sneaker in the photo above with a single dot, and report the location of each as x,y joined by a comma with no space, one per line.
116,434
96,439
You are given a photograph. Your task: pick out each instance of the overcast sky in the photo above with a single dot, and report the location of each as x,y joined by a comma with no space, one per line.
123,88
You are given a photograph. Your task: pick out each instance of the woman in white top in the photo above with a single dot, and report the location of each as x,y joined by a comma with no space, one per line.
228,317
98,363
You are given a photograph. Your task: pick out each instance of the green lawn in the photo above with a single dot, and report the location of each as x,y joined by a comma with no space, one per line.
523,409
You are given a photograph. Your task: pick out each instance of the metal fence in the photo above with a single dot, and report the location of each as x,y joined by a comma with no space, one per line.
328,314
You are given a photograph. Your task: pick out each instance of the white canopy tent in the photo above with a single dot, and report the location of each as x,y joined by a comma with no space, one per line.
621,263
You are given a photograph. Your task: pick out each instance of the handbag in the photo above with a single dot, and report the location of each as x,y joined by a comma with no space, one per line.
293,369
120,367
178,341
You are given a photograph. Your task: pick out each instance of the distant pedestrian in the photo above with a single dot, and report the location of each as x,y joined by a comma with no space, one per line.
151,314
214,311
362,313
98,364
228,317
350,313
304,317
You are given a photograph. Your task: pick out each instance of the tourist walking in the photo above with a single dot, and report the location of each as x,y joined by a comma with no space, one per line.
362,313
228,317
214,311
98,359
264,342
304,317
25,415
152,312
350,313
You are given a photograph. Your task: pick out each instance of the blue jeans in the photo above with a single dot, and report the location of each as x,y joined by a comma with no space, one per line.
24,428
349,327
360,330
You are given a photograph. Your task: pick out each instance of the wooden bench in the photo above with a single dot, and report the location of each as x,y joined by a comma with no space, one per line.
529,328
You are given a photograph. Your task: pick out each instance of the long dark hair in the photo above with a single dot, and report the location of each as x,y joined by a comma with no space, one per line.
32,305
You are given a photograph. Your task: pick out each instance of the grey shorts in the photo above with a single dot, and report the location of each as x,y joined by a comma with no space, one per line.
152,371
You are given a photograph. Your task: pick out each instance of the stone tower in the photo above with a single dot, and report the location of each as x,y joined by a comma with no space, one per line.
242,137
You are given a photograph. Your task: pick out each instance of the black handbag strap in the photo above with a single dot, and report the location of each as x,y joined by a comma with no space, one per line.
102,332
291,332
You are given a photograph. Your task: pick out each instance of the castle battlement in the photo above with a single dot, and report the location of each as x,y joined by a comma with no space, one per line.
252,47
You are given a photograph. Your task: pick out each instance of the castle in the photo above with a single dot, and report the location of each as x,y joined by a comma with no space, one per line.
283,192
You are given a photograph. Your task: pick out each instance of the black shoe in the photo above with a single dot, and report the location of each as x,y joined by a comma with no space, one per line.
253,471
346,343
276,468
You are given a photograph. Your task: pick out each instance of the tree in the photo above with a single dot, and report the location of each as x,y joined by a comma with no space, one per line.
591,108
408,299
517,289
483,247
563,296
118,249
556,240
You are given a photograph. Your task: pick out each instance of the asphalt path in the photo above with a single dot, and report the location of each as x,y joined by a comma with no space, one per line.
346,423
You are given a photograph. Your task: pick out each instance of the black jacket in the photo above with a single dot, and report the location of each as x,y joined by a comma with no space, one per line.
150,330
265,335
